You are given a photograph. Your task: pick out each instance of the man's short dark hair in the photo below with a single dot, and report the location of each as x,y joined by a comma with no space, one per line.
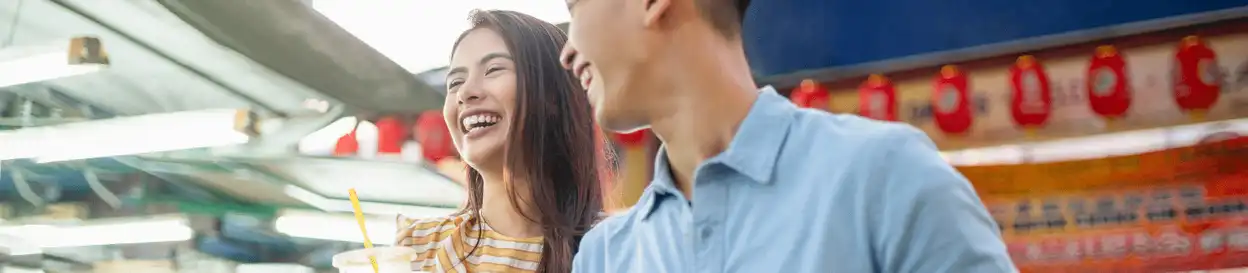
725,16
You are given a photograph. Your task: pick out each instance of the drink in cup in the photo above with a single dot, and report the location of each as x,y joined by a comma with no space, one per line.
390,259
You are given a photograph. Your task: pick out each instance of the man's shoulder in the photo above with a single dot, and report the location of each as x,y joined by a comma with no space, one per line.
600,247
613,226
817,127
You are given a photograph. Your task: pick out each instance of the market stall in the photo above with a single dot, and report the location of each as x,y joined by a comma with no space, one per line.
1118,152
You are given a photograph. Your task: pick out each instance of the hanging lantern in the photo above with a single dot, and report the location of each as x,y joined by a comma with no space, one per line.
434,137
1107,84
347,144
1031,102
633,139
1197,81
951,101
391,134
877,99
810,94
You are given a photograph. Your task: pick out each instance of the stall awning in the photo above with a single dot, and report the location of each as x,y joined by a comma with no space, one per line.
788,36
1098,146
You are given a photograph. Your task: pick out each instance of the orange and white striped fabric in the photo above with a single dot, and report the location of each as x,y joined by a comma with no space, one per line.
443,243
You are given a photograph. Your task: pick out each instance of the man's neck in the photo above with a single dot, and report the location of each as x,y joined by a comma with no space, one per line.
713,96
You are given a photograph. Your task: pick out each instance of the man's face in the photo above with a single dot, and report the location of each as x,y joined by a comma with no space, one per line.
607,48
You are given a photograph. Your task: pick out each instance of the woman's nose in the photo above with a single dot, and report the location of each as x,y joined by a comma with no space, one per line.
470,92
463,98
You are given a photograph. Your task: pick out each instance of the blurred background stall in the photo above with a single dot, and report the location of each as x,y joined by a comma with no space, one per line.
222,136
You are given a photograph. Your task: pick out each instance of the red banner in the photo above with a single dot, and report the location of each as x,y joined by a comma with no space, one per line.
1176,210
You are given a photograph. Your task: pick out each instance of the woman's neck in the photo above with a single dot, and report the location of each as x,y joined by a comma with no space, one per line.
498,210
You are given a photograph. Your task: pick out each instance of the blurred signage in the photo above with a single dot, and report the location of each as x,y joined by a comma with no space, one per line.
135,266
1164,229
64,212
1174,210
1148,68
1198,162
74,211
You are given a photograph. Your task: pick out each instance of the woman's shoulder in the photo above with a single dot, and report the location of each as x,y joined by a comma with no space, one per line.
417,231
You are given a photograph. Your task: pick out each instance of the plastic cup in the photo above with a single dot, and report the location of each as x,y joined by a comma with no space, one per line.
390,259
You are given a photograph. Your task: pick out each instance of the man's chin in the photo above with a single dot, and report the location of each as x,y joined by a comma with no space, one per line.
617,124
600,118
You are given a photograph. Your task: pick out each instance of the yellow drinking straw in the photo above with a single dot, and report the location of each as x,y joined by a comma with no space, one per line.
359,217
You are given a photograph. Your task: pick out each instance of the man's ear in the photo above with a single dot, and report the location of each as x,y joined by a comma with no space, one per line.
655,10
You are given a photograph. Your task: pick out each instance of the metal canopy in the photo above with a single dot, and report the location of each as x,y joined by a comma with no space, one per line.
160,65
293,39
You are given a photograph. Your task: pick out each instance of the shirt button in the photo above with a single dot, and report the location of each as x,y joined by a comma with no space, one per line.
706,233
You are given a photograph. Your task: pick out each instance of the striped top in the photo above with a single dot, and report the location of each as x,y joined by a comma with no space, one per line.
442,242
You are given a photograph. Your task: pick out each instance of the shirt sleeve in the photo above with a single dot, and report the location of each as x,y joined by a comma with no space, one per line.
932,220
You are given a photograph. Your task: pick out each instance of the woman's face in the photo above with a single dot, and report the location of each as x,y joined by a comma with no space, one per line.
480,98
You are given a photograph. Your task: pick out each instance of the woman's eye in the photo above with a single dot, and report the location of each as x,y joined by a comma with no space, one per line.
492,70
450,86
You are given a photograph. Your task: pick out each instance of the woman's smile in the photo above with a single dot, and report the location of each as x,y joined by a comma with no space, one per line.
477,123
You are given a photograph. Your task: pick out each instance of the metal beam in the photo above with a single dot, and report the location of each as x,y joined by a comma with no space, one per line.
296,41
177,62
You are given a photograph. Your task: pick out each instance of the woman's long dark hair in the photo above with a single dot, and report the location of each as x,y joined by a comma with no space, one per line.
552,142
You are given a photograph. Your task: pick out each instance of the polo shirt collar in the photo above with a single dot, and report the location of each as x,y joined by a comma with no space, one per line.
753,151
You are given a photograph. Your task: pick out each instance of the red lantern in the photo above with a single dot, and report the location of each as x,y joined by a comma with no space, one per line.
809,94
1107,85
391,134
951,101
1032,100
877,99
347,144
434,137
633,139
1197,82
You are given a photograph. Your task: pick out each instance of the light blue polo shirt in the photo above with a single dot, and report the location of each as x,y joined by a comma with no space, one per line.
802,190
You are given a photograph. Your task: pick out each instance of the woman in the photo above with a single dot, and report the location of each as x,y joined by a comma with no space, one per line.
524,127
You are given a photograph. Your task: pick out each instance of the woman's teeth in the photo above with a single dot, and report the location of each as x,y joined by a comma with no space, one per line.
474,122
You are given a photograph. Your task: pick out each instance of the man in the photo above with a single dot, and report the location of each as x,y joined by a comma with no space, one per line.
747,182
